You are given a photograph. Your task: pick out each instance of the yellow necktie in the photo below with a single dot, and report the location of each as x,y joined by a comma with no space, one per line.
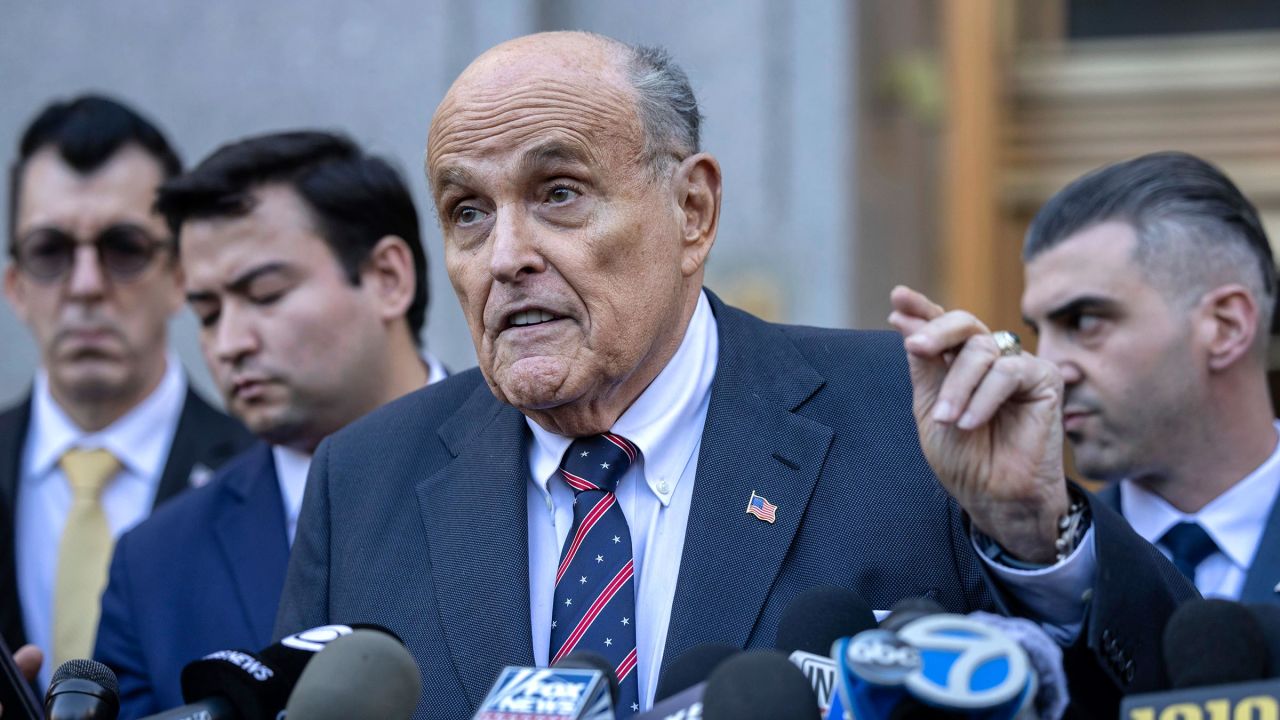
83,554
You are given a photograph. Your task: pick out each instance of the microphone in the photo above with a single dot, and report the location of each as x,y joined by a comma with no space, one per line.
811,624
908,609
1216,656
759,685
692,668
1213,642
1268,618
1045,655
367,675
935,666
82,690
554,693
587,660
242,685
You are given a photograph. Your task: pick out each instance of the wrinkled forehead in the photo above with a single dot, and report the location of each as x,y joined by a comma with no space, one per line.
515,101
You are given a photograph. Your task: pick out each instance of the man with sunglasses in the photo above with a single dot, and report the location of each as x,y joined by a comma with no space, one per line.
110,428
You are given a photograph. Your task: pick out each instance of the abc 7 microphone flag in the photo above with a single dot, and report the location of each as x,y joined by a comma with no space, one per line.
948,662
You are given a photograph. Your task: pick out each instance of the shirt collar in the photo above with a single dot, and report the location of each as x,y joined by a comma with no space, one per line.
291,471
134,438
1235,519
436,370
665,422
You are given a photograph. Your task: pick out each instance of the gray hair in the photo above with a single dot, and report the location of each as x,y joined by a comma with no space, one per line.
1194,227
665,102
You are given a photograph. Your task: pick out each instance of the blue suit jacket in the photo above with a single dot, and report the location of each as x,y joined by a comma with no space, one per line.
1261,581
203,573
415,518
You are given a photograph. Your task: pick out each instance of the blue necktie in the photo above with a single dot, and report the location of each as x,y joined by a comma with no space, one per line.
595,602
1189,545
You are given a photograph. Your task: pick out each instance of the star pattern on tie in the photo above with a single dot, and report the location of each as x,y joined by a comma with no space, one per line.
597,552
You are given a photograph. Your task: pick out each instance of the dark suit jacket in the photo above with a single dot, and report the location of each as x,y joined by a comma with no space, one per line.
202,574
203,437
415,518
1264,574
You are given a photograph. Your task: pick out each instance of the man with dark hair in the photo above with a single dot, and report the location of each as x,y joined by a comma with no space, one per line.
1152,286
637,468
304,267
110,428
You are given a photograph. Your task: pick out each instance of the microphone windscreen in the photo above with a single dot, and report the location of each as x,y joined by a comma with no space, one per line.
908,609
1213,642
367,675
818,616
1268,617
82,690
587,660
759,685
692,667
86,670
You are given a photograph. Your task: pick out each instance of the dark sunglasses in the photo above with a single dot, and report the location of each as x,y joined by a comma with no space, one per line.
124,251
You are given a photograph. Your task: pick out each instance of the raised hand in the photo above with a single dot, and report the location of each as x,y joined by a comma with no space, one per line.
990,424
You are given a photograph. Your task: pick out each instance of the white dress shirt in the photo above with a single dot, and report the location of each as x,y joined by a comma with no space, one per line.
655,495
666,422
140,440
1235,520
292,466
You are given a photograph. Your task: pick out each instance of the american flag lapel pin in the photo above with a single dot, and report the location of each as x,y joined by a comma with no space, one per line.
761,508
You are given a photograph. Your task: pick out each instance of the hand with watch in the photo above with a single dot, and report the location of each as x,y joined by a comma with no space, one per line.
990,423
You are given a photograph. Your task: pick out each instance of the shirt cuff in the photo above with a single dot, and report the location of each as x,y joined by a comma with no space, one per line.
1055,596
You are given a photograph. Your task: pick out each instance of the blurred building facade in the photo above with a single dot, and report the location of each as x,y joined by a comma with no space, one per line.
865,143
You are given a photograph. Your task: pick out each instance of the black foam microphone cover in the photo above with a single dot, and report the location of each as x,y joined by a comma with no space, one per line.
1268,617
1213,642
908,609
759,685
82,690
587,660
819,616
692,667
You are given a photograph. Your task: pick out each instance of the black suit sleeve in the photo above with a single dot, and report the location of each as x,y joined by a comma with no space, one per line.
304,602
1134,592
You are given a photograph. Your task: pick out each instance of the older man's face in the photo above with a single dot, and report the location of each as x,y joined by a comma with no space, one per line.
567,256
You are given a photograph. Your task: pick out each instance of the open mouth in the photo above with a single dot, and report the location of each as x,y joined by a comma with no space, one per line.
529,318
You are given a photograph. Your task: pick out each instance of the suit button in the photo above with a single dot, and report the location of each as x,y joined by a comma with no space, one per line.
1128,672
1106,636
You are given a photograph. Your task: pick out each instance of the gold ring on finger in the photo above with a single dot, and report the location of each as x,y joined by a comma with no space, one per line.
1007,342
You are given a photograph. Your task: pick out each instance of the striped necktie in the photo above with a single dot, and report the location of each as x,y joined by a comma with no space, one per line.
595,600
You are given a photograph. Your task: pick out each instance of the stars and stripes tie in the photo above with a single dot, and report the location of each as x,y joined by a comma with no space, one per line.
595,601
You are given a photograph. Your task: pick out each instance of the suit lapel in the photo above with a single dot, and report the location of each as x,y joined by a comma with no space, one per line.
481,588
752,442
1264,574
250,528
13,436
1110,496
203,436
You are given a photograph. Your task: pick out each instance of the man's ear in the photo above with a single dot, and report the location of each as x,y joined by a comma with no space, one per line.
15,293
1228,325
697,186
389,274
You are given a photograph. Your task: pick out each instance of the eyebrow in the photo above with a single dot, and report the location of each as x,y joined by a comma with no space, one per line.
1075,306
553,152
451,176
241,284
